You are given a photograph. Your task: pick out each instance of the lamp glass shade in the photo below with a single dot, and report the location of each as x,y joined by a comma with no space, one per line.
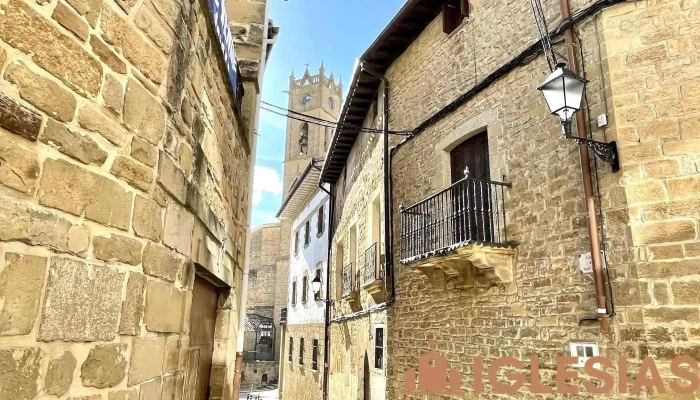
563,91
316,285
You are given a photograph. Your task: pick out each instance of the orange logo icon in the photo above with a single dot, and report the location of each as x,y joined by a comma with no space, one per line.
432,376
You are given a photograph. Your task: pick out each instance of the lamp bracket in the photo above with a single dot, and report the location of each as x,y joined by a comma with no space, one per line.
605,151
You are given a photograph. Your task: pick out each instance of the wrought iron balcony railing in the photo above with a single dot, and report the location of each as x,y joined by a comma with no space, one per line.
283,315
348,280
468,211
373,269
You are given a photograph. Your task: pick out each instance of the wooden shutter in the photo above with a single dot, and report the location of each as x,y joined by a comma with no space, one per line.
473,153
450,15
464,8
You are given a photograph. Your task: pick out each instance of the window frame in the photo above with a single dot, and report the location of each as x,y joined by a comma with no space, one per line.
314,355
296,242
321,221
301,351
305,288
307,233
379,350
294,292
319,273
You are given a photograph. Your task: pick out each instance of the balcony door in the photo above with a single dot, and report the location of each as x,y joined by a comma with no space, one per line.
471,197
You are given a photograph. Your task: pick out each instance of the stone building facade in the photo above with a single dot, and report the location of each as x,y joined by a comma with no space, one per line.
303,344
526,297
262,302
125,173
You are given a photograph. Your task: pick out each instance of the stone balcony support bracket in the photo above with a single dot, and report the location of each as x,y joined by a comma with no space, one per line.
465,263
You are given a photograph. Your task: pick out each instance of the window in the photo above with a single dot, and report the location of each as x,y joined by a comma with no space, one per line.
379,347
353,245
304,288
294,292
339,258
584,351
304,139
320,225
317,296
453,13
296,242
314,355
291,348
301,351
472,157
307,233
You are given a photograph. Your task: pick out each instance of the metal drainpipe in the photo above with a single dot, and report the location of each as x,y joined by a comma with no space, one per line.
327,320
601,298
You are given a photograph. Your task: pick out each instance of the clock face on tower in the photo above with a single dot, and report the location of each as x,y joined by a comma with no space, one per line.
306,99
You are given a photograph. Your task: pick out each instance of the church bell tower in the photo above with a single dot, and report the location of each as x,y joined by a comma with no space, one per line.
317,96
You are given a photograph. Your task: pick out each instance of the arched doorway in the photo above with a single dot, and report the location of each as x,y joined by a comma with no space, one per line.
366,379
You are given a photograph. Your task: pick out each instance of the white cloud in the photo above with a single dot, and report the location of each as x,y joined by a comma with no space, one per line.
265,180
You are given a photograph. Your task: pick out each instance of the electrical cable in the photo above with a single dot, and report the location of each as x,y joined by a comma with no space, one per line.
324,122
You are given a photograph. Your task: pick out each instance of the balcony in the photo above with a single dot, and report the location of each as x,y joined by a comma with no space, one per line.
349,283
373,277
461,232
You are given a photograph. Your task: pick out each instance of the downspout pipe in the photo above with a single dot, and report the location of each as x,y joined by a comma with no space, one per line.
328,302
601,298
388,200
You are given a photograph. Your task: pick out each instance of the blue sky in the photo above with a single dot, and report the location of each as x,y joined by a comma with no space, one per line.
333,31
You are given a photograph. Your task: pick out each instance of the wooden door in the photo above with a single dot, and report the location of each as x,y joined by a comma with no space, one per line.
473,195
205,298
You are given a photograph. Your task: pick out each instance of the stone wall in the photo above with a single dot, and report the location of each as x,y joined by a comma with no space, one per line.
642,60
253,373
124,166
302,382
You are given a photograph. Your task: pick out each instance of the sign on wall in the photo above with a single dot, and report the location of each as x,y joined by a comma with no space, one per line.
225,39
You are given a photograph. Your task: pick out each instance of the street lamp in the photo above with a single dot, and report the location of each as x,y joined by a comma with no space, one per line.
563,92
316,287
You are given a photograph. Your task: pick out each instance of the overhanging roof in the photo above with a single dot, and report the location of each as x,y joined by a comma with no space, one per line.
303,188
406,26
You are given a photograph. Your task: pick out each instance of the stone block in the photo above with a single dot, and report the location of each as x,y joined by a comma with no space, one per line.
107,56
132,394
152,390
135,174
244,12
73,144
171,362
186,158
165,307
661,169
89,8
146,359
117,248
684,187
105,366
152,26
21,284
22,223
148,219
19,373
172,178
161,262
132,307
170,387
90,397
650,55
143,114
18,119
71,21
82,302
62,56
671,210
629,293
3,57
663,232
59,376
668,314
113,94
143,151
149,60
660,270
179,223
94,121
77,191
686,293
42,93
682,147
19,167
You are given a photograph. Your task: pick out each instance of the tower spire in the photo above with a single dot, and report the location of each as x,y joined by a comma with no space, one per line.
307,73
291,76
